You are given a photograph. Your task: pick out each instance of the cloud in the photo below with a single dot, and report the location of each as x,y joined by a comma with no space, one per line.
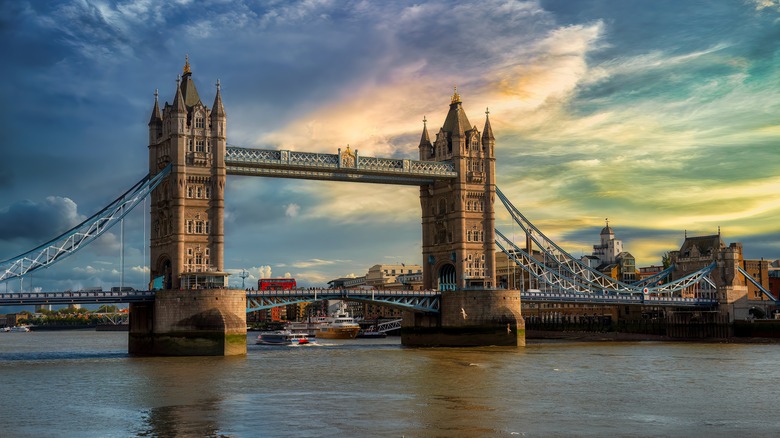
36,220
292,210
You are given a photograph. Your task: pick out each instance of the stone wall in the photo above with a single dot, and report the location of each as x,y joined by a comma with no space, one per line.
209,322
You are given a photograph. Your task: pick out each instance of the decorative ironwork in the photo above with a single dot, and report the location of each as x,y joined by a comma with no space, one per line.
421,301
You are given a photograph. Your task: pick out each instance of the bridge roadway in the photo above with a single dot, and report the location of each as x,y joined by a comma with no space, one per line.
423,301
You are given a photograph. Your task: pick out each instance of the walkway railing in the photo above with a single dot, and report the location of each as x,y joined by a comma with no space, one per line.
80,297
627,299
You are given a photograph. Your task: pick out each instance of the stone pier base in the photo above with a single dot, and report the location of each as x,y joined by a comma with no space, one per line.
468,318
210,322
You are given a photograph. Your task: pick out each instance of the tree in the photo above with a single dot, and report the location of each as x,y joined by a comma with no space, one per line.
666,259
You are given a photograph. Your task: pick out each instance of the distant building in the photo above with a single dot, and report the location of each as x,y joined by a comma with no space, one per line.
347,282
386,276
609,258
608,249
759,270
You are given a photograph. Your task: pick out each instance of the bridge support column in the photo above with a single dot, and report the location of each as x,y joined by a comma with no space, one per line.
468,318
208,322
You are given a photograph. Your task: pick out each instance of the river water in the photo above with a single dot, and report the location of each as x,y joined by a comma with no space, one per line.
83,384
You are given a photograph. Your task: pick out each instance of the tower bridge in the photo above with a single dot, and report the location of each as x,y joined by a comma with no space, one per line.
193,312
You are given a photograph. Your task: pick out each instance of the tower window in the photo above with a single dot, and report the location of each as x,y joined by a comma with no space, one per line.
199,122
189,227
199,146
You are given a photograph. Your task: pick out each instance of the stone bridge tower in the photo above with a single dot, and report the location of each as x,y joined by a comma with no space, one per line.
193,313
458,234
458,243
187,236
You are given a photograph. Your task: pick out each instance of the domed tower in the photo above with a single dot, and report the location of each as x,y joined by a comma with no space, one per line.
458,235
187,237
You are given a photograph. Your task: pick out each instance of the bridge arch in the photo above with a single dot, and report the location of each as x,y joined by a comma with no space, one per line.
448,278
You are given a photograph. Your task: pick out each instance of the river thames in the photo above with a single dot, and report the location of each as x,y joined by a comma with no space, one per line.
83,383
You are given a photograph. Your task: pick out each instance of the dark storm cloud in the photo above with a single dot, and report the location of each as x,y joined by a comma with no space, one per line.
30,220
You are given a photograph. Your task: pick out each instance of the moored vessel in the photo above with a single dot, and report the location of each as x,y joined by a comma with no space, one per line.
282,337
340,325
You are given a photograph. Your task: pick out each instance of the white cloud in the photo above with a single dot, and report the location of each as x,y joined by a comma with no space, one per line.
292,210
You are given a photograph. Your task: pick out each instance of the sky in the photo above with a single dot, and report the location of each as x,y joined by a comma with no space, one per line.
662,116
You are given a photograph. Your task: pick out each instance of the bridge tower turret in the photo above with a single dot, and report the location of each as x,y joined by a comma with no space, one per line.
187,237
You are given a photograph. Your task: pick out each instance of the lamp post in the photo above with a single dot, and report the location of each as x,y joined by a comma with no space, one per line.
243,276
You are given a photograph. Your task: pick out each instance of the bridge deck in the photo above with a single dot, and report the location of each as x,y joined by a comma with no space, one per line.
425,301
82,297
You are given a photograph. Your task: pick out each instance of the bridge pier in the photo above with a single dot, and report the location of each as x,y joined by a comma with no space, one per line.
468,318
206,322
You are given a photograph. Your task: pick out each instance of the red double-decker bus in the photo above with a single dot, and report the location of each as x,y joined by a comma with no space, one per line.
276,284
275,313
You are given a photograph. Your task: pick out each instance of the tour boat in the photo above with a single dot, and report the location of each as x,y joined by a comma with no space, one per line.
19,328
282,337
339,325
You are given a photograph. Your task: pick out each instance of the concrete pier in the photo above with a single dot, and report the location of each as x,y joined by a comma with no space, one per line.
209,322
468,318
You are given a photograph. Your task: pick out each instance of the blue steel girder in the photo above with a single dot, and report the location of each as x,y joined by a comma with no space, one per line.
335,167
419,301
757,284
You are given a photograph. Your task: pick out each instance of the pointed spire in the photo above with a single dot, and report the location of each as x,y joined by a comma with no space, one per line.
217,110
178,100
487,133
456,122
156,115
425,139
187,64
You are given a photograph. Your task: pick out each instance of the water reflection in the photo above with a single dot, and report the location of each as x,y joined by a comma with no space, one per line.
186,395
458,393
194,420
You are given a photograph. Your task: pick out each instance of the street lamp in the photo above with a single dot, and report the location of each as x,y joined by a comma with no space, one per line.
243,276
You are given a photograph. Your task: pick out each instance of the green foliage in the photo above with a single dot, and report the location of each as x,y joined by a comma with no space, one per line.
666,259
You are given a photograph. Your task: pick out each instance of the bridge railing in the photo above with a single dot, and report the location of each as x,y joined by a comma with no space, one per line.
339,292
77,296
563,297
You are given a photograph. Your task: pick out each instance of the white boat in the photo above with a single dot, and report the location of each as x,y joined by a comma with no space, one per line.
19,328
339,325
282,337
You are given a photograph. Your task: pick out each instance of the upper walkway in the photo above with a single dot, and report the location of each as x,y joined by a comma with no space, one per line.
344,166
